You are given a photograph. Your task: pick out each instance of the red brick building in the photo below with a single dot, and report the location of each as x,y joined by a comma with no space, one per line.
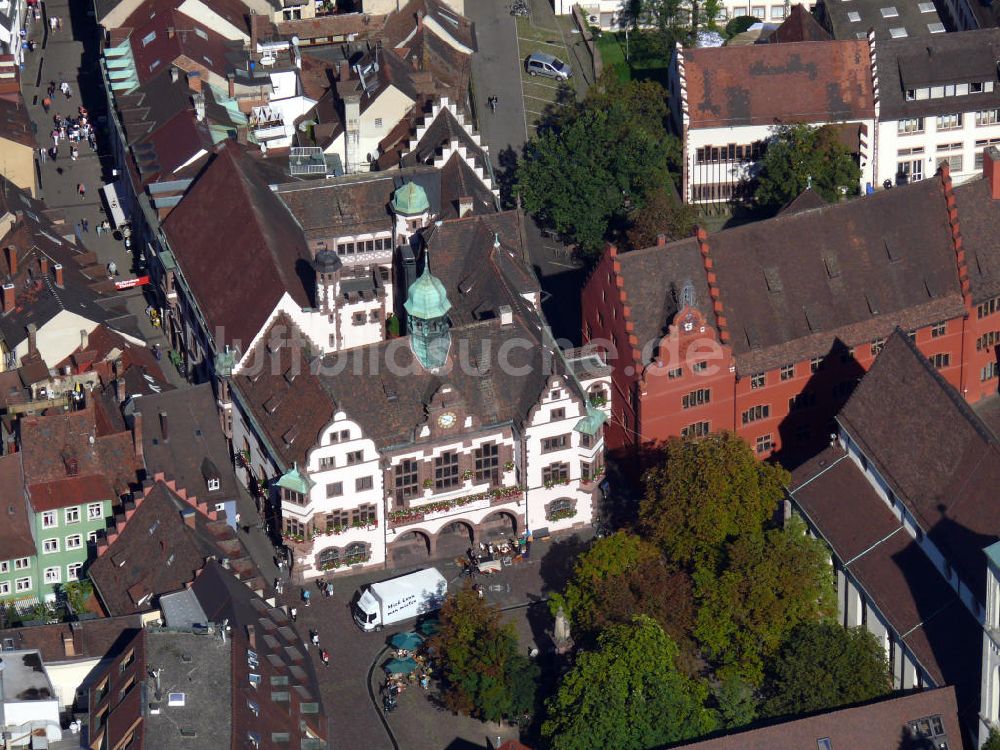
764,329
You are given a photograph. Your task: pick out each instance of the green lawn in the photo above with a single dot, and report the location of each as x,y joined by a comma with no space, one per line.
643,63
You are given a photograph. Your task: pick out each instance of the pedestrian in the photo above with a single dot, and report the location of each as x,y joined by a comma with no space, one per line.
99,229
46,103
82,190
86,225
325,656
112,269
53,154
314,637
43,155
305,596
52,23
493,104
294,614
58,23
73,153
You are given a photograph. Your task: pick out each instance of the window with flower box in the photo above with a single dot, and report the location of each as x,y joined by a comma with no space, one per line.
294,527
337,520
556,473
364,515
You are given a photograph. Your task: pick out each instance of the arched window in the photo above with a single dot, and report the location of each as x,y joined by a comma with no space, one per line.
355,553
560,508
328,558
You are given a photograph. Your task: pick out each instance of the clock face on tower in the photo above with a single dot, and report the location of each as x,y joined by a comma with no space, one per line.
447,420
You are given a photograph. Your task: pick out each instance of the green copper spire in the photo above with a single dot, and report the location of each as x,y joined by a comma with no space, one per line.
296,481
427,306
410,199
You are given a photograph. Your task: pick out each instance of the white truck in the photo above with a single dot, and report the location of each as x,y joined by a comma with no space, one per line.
387,602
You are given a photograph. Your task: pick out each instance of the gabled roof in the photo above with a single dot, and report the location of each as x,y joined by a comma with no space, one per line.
233,11
875,726
905,587
16,539
947,468
279,651
401,26
800,26
238,281
807,200
193,435
768,84
171,35
870,265
67,461
979,215
15,124
84,639
153,551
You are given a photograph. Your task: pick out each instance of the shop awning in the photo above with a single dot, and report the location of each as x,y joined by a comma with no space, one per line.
114,206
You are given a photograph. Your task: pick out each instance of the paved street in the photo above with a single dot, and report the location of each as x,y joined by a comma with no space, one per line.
416,723
72,55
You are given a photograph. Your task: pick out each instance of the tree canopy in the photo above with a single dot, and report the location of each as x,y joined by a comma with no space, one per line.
823,666
627,694
596,160
766,584
619,577
482,673
704,493
798,156
661,213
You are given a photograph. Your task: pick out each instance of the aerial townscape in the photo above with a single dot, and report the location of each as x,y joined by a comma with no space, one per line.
499,375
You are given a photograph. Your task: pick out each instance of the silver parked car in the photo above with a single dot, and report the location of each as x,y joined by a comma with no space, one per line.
541,64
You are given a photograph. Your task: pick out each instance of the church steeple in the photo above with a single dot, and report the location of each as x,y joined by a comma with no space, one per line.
427,307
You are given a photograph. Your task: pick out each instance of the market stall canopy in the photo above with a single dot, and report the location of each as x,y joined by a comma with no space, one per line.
408,641
429,627
400,666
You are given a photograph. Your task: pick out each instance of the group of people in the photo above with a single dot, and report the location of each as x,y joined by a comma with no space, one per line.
324,655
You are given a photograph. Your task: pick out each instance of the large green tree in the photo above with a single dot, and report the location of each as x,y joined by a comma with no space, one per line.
661,213
627,694
798,156
619,577
823,666
596,160
705,492
765,585
482,673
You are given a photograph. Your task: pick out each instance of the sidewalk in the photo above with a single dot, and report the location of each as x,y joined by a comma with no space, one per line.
72,55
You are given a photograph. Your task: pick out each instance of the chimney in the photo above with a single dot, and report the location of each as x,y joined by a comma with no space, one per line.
252,636
991,170
32,338
174,74
661,239
198,100
137,435
420,19
43,263
12,260
170,32
120,385
232,85
59,275
464,206
163,427
194,80
8,297
506,315
188,515
69,647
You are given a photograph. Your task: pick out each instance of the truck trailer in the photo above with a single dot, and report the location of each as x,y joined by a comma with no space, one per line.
377,605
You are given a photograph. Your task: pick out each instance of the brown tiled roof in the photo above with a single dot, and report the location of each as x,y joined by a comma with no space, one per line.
767,84
193,436
53,445
356,204
979,217
15,124
800,26
870,265
875,726
337,25
905,587
939,458
400,26
238,247
207,48
152,551
807,200
90,639
16,539
233,11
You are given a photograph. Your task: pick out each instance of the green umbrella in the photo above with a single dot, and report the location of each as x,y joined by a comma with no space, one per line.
400,666
430,627
406,641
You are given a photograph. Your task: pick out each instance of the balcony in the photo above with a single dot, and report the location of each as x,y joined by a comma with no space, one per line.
266,123
453,506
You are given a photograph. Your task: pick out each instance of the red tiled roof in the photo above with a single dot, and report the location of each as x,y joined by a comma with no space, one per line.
15,124
15,529
61,493
177,35
767,84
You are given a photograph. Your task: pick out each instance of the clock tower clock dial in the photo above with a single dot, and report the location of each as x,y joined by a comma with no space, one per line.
447,420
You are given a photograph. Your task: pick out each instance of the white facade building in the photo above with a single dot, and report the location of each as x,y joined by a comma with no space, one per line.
30,703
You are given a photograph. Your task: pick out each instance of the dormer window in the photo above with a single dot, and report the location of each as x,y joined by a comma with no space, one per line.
214,484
